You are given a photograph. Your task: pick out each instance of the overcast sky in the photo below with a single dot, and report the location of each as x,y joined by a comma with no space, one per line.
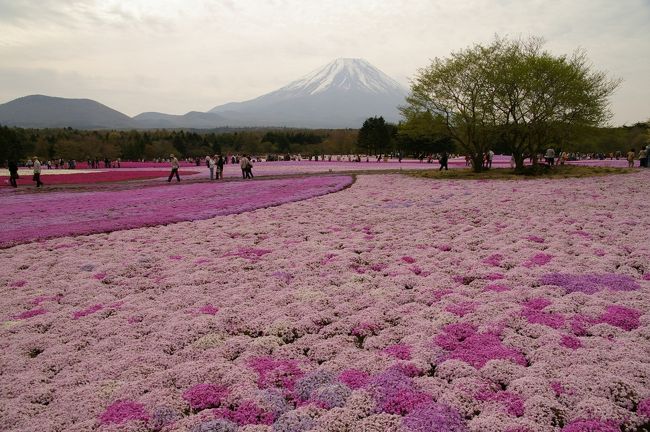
176,56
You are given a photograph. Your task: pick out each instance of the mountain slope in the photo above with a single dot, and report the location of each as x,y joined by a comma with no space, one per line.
38,111
343,93
193,119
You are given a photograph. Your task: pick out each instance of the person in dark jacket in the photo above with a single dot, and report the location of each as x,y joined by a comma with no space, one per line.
13,173
220,162
444,158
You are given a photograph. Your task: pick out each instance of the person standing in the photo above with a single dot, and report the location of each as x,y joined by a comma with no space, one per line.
550,156
174,172
220,162
243,163
37,172
490,156
210,162
249,168
630,158
13,173
443,160
643,158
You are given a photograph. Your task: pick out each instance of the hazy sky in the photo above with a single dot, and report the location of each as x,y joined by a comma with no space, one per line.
175,56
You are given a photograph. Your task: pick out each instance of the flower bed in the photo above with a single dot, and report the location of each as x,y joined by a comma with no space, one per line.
58,177
30,217
398,304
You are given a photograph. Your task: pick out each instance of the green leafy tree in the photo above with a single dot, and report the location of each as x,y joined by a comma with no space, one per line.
513,95
457,89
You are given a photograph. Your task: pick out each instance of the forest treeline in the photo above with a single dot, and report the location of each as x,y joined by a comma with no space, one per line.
374,137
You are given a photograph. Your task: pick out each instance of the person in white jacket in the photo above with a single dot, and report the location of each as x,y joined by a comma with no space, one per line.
37,172
211,166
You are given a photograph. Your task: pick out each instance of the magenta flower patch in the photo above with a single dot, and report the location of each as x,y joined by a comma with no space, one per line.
88,311
30,313
570,342
643,409
463,343
353,378
539,260
512,403
399,351
364,329
493,260
461,309
621,316
208,310
202,396
246,413
123,411
276,373
592,426
549,319
496,288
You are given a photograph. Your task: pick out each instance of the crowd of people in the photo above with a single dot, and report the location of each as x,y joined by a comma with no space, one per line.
215,163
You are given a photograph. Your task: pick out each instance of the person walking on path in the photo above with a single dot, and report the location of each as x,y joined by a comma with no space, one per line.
490,157
443,160
630,158
37,172
249,168
220,162
211,166
243,163
174,172
13,173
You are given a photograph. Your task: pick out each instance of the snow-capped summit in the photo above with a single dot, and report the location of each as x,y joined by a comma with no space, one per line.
341,94
345,74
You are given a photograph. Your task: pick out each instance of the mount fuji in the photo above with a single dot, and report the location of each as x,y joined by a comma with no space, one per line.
342,94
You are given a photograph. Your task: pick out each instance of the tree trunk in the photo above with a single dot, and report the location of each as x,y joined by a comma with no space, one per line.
519,162
477,162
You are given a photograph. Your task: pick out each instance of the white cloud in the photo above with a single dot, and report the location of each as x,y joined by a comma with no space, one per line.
176,56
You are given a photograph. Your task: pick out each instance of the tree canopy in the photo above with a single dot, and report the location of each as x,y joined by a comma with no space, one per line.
511,94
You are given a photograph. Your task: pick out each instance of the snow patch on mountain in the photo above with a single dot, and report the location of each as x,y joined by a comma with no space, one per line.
344,74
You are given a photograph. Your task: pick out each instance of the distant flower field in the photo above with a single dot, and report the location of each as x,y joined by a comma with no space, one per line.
61,177
27,217
396,304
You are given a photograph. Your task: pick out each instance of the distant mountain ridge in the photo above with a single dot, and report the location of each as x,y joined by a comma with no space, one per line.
39,111
342,94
